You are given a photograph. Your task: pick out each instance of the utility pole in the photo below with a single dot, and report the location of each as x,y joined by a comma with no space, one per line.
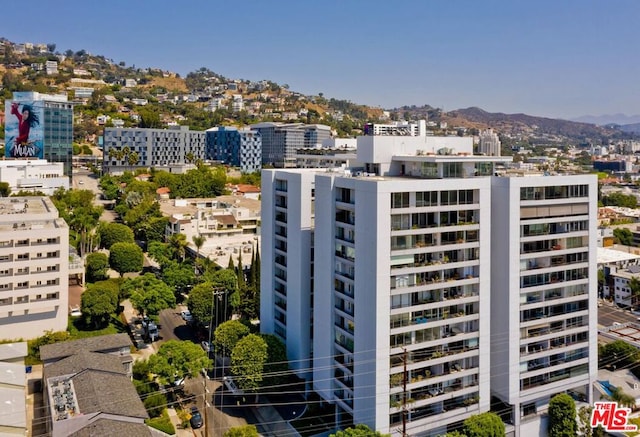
215,293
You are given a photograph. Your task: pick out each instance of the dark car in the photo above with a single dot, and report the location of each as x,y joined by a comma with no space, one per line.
196,418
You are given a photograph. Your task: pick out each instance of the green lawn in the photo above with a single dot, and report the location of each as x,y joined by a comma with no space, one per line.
78,329
163,423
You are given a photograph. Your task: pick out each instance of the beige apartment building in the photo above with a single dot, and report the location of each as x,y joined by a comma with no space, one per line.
34,268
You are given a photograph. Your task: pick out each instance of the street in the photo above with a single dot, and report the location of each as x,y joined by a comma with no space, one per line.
86,180
218,420
608,314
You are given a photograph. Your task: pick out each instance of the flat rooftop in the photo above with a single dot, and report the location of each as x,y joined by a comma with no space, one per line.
169,207
606,256
12,206
27,213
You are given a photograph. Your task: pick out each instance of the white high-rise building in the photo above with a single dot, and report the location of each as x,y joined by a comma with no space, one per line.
287,272
408,296
34,268
544,287
489,143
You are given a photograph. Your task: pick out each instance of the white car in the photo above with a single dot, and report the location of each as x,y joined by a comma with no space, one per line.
206,346
186,316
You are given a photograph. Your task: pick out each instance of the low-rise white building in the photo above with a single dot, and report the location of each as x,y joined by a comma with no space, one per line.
33,175
226,222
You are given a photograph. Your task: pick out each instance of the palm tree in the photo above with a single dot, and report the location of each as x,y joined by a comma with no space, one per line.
133,158
198,241
178,243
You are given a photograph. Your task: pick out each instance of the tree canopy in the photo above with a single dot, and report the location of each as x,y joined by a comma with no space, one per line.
277,363
484,425
227,335
97,304
624,236
618,353
149,295
562,416
620,199
201,300
247,361
111,233
178,275
97,266
126,257
77,209
177,359
359,430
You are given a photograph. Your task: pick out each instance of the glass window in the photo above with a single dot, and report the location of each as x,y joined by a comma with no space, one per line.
465,197
426,198
429,170
452,170
399,200
449,197
484,169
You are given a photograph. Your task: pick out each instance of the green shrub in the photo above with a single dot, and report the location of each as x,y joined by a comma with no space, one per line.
155,404
162,423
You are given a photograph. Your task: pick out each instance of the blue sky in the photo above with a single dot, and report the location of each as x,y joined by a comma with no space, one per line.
562,58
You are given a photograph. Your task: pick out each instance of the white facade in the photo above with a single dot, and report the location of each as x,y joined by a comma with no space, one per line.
34,265
544,287
340,143
33,175
51,67
286,267
399,264
621,291
489,143
237,103
398,128
423,297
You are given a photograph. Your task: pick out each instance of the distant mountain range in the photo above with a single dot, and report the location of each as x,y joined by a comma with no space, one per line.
630,128
174,99
541,129
601,120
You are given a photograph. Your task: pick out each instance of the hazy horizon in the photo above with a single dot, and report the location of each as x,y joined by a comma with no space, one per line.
552,59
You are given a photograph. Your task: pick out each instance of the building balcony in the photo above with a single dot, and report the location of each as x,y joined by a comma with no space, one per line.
349,275
441,395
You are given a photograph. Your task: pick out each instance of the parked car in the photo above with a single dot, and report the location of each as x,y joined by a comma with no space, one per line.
150,329
196,418
208,348
186,316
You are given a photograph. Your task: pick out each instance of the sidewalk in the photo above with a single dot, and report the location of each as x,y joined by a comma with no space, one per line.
175,420
144,350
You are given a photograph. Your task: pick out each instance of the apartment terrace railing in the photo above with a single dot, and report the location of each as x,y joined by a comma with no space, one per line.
423,319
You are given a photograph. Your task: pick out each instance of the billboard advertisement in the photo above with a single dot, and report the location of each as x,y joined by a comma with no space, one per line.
24,129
